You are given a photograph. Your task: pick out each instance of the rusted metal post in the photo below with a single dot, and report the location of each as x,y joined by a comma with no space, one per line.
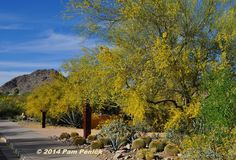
87,116
43,119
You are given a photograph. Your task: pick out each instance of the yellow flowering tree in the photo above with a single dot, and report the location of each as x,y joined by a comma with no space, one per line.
160,49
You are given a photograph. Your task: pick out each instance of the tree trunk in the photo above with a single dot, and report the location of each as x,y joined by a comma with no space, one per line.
87,119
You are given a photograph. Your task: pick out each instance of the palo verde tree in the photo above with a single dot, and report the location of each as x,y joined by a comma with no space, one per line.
160,49
49,97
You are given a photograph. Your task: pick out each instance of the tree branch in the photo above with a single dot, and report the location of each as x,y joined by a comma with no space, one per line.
166,100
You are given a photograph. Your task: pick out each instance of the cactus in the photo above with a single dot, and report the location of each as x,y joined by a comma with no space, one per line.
92,138
149,155
96,145
147,140
74,134
171,150
138,143
64,135
157,145
79,141
141,154
105,141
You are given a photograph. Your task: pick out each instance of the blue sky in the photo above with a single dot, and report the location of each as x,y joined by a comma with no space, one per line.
34,35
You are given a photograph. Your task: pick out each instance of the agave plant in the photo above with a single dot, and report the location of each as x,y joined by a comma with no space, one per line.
72,118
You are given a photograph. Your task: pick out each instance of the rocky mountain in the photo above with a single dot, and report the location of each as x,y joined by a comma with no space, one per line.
26,83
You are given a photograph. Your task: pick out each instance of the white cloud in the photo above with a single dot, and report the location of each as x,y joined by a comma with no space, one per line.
6,76
12,27
10,17
51,43
10,64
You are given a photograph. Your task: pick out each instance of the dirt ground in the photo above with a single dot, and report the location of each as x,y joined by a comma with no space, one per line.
51,130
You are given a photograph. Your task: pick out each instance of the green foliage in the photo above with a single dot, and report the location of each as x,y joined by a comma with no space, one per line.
97,145
64,135
218,108
11,106
210,146
141,127
118,132
157,116
78,140
157,145
138,143
171,150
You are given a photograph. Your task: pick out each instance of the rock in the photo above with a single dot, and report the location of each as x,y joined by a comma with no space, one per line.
117,155
128,146
179,155
26,83
127,157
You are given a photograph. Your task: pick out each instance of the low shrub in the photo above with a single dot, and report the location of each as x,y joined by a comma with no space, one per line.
171,150
97,145
157,145
138,144
64,135
211,146
79,141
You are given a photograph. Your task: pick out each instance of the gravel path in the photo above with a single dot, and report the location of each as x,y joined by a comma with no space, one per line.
31,145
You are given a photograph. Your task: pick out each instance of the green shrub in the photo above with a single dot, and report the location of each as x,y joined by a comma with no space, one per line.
79,141
157,145
11,106
105,141
201,146
171,150
64,135
74,134
218,108
92,137
97,145
138,143
147,140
